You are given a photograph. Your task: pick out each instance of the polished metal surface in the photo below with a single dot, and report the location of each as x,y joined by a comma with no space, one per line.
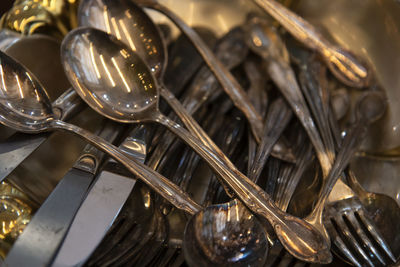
345,66
360,31
54,18
129,24
153,238
41,118
232,88
32,108
19,146
107,100
15,214
42,238
93,219
225,235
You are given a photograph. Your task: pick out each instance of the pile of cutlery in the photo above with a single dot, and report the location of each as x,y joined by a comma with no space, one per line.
270,119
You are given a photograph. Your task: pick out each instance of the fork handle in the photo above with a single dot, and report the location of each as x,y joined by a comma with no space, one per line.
342,63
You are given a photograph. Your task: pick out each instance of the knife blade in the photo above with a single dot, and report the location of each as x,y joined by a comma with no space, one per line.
19,146
102,204
39,242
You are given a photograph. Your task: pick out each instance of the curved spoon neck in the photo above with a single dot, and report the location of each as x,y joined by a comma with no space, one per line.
156,181
247,191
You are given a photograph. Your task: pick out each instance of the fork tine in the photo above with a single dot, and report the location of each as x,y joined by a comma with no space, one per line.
357,227
339,243
346,233
370,226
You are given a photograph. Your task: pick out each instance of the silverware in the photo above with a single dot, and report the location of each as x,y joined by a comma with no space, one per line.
258,95
265,41
349,214
142,36
89,237
345,66
38,117
228,82
102,205
41,239
224,235
278,117
204,86
287,227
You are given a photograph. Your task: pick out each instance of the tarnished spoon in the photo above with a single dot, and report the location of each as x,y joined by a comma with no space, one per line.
114,81
343,64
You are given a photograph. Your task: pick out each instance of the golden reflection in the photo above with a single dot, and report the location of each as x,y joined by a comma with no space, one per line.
97,101
52,17
116,29
19,86
257,41
121,75
106,20
128,36
125,54
15,214
3,82
77,82
94,61
107,71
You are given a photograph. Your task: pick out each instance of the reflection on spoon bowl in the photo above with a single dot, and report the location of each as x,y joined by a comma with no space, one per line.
225,235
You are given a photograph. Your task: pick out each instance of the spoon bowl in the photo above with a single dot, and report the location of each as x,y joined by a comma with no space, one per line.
33,111
110,64
128,23
225,235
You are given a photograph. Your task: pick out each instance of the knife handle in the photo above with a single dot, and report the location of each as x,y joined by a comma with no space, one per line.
92,157
67,105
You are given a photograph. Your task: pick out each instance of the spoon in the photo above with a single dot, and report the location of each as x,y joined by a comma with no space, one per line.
345,66
25,106
125,90
127,20
225,235
142,36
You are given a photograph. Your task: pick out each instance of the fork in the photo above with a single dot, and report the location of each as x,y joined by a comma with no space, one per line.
354,233
344,211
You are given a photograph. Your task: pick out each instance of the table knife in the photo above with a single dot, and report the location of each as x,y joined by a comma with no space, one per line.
39,242
102,204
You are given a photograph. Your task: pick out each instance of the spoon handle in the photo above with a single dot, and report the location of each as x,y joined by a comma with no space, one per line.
285,79
343,65
156,181
228,82
293,232
68,104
